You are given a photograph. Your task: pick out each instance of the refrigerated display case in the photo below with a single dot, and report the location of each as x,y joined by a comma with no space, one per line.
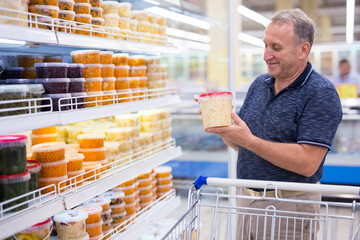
39,41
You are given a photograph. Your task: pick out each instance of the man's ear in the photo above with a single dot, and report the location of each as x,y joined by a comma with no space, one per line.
305,50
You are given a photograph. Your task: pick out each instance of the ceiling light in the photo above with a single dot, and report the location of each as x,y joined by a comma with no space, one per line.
8,41
350,12
186,44
152,2
250,39
179,17
188,35
246,12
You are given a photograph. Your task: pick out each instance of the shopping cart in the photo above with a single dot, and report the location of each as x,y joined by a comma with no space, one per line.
217,216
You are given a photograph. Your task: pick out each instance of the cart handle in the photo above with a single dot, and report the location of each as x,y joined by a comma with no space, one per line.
292,186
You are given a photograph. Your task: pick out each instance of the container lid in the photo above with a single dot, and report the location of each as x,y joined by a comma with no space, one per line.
144,179
121,55
76,65
75,215
163,169
95,224
112,195
110,3
53,164
92,65
130,196
119,130
122,67
78,94
83,15
165,178
84,51
165,186
215,94
51,64
97,19
145,188
109,92
75,173
56,8
109,79
91,136
123,79
119,214
146,195
106,53
110,220
107,66
53,179
72,13
120,189
99,93
48,147
99,200
43,135
57,95
97,9
99,79
124,4
88,166
12,140
33,166
20,81
92,149
90,208
14,88
107,212
83,4
51,80
15,178
39,226
137,57
77,79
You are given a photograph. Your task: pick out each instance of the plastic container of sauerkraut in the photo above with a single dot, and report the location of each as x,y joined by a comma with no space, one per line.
216,109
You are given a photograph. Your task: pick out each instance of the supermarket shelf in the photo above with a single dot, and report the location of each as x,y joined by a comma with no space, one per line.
24,122
75,40
68,117
41,36
149,216
27,34
36,209
45,206
82,194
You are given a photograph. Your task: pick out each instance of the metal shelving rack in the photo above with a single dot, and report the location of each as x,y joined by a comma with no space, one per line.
42,206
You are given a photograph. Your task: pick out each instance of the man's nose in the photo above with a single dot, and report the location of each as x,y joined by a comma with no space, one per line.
267,55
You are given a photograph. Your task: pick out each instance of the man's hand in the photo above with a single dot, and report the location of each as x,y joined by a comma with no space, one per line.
235,135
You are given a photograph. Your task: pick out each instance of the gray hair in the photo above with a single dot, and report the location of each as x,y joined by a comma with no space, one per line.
304,27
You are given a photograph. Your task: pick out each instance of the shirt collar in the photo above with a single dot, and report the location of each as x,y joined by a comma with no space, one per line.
299,81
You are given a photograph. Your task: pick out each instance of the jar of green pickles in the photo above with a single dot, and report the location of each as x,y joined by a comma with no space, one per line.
12,154
34,169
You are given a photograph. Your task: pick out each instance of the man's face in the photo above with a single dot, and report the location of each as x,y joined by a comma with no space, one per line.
281,51
344,68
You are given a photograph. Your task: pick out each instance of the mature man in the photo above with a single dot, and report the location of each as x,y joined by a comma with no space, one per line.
285,127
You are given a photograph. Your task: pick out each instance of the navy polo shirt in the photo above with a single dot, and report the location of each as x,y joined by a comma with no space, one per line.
308,111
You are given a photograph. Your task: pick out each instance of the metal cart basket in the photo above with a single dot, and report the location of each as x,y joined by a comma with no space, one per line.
224,219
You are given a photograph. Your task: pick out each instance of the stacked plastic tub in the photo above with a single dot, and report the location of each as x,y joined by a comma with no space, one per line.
107,74
53,76
163,180
92,147
94,221
137,70
156,76
53,164
67,13
122,84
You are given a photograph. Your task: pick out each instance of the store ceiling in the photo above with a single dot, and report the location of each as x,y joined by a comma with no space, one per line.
335,9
